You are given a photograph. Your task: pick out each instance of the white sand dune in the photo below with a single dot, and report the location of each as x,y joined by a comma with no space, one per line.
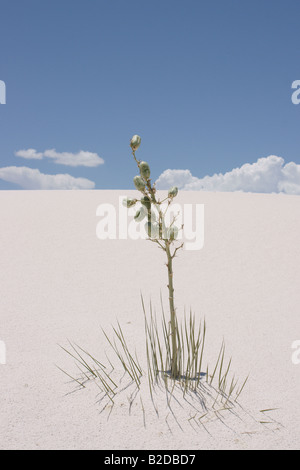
58,281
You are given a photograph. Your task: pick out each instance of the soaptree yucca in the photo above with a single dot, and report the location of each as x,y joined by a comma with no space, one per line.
153,214
174,351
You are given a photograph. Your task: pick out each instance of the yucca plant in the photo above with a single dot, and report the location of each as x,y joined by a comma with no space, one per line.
152,213
174,350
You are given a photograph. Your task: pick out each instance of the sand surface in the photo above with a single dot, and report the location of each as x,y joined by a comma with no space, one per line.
59,282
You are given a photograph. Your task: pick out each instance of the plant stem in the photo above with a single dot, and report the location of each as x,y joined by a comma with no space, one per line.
162,230
174,365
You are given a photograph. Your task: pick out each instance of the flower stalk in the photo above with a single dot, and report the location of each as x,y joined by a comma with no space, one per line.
160,234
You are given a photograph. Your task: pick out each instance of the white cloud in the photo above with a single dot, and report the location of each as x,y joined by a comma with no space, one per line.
74,159
179,178
267,175
29,178
82,158
29,154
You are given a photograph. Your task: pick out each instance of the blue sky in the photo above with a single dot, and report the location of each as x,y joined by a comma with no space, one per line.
207,85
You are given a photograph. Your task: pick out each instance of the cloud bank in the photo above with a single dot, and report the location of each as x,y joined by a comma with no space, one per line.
82,158
29,178
267,175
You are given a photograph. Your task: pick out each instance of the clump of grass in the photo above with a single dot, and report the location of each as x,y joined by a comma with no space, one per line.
130,364
91,368
191,378
190,347
191,338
